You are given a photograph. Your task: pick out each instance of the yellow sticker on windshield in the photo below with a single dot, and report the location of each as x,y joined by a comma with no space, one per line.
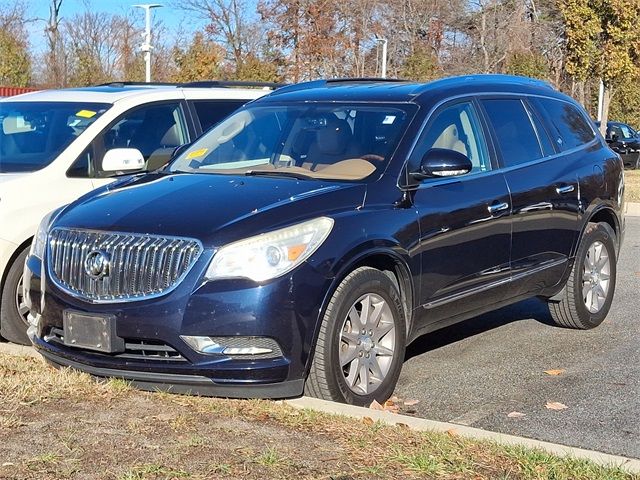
85,113
197,153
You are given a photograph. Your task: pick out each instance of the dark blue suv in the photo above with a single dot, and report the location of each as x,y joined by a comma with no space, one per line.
303,242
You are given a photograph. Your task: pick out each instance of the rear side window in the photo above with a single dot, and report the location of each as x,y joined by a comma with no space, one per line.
570,128
514,132
211,112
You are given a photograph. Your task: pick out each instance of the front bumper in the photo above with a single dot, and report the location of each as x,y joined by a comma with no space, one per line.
175,383
231,308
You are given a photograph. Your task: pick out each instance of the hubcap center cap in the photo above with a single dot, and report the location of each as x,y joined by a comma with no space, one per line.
366,343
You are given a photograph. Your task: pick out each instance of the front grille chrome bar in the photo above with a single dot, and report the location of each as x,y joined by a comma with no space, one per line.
130,266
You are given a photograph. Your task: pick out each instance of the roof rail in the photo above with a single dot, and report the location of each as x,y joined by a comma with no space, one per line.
142,84
363,80
231,83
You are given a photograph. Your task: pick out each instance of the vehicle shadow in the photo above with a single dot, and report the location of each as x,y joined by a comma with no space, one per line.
532,308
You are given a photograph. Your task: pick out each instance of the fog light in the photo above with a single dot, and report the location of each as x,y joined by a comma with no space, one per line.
234,346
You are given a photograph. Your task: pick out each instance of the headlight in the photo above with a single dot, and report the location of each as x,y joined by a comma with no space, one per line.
270,255
40,240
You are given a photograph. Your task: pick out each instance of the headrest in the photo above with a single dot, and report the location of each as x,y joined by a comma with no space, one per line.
334,138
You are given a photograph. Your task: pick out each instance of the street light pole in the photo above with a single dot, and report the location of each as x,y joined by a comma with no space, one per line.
146,46
383,69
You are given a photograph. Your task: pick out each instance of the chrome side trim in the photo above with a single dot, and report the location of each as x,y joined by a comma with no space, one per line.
483,288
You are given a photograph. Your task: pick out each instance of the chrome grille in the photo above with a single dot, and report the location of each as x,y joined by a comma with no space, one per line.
139,266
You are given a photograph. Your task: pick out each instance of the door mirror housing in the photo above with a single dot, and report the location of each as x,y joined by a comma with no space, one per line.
123,160
442,163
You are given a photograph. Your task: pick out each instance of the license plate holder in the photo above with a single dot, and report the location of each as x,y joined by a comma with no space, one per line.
91,331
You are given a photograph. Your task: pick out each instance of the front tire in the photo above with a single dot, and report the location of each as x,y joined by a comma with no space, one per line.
361,343
13,310
587,296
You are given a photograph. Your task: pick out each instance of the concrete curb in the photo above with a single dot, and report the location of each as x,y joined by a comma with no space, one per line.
632,209
19,350
628,464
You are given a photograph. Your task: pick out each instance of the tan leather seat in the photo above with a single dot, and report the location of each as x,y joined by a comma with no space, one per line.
450,140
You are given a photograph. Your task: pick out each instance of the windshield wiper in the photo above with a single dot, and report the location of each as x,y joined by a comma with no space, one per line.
279,173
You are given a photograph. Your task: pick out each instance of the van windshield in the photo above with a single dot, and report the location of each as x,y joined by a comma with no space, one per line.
337,142
32,134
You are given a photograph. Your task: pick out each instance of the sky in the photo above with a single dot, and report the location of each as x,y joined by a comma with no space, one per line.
171,17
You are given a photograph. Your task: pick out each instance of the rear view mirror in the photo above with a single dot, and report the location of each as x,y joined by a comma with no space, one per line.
441,162
123,160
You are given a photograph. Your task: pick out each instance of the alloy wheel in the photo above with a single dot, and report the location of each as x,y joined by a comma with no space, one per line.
596,272
367,344
21,306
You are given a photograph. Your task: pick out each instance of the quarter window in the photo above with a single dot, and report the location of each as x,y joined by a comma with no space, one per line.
455,128
514,132
570,128
210,112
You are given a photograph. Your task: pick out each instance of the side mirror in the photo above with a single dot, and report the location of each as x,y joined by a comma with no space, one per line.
123,160
441,162
614,137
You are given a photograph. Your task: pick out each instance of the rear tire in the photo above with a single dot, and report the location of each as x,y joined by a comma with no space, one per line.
13,316
361,343
587,296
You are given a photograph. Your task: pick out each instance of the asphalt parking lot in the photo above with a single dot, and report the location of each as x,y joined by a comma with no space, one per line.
478,372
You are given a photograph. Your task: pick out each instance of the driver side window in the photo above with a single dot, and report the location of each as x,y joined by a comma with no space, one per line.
457,128
155,129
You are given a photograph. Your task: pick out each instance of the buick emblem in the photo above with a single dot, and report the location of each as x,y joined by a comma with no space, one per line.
97,264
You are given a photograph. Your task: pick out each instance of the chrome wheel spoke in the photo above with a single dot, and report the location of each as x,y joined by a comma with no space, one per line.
381,331
376,371
364,378
355,319
353,373
383,351
349,355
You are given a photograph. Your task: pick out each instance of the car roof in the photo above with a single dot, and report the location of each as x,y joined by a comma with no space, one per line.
385,90
117,91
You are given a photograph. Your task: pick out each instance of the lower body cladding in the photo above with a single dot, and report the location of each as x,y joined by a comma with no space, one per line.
229,338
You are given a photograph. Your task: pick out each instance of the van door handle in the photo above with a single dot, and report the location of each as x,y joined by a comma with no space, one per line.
564,189
497,207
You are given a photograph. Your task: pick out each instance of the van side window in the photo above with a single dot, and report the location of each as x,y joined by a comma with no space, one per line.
513,130
455,128
570,128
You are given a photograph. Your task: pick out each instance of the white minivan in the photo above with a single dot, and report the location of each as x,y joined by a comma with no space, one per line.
56,145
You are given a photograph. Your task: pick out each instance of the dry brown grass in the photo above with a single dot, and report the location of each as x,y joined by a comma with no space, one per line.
63,425
632,185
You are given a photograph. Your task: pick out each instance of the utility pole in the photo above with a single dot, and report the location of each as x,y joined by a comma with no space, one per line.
146,46
383,69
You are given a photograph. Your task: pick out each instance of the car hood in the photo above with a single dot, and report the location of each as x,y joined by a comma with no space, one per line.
10,177
213,208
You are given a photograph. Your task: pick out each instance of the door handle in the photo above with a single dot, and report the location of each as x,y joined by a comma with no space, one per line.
564,189
497,207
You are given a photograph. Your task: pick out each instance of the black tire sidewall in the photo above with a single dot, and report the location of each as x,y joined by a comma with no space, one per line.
603,233
12,325
366,281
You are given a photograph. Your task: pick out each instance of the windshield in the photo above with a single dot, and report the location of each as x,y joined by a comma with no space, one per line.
32,134
339,142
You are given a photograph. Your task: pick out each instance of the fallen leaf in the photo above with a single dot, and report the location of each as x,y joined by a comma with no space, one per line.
367,420
376,406
8,464
555,372
556,406
390,406
453,432
516,415
411,403
404,426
